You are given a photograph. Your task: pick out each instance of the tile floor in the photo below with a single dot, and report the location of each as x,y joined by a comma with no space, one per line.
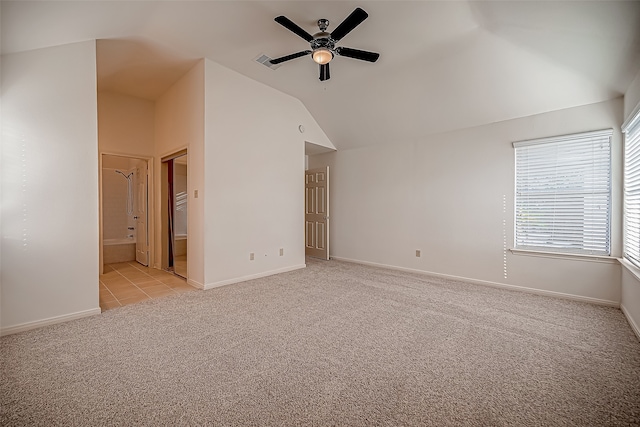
129,282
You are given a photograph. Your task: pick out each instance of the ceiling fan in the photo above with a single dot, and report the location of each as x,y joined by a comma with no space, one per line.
323,44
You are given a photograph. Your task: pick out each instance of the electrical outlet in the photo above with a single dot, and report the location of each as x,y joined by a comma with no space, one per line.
195,194
281,251
418,253
251,256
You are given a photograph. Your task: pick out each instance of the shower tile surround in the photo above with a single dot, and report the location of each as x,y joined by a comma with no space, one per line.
129,282
118,223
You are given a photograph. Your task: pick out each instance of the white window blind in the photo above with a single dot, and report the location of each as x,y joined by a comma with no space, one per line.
563,193
632,190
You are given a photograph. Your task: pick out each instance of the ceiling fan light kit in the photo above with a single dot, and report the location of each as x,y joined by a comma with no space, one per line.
323,44
322,55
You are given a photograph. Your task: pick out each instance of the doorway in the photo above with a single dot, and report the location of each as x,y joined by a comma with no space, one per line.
124,199
316,229
175,213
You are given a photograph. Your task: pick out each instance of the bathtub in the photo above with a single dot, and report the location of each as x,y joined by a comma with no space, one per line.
122,241
118,250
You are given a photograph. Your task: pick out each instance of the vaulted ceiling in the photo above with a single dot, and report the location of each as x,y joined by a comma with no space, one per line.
443,65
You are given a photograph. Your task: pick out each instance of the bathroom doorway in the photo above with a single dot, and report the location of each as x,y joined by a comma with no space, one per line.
124,209
175,213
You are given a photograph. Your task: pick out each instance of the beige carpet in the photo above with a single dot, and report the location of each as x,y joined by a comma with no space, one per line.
333,344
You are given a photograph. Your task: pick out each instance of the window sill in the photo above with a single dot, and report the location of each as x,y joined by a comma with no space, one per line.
560,255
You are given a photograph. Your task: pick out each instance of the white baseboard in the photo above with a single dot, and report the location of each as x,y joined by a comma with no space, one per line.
535,291
631,320
252,276
50,321
195,284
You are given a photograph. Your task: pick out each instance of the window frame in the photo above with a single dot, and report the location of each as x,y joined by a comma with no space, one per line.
555,245
632,124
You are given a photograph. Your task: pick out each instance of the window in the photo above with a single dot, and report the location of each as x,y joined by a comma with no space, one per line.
563,193
632,190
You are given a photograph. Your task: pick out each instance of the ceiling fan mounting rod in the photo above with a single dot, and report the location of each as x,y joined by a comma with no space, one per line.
323,24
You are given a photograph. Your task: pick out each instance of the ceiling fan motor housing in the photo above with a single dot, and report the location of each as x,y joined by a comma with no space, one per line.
322,40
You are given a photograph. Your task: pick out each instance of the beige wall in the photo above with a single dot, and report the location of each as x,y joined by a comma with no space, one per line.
630,298
254,153
632,96
1,197
50,186
179,124
451,196
125,125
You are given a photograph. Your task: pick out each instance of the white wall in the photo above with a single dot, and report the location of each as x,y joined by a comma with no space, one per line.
630,298
49,186
254,180
179,124
451,196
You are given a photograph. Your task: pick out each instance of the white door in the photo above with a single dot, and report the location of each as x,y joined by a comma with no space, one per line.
317,213
142,235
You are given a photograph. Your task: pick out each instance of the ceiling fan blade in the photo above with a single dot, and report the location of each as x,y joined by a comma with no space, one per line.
363,55
350,22
291,26
290,57
324,72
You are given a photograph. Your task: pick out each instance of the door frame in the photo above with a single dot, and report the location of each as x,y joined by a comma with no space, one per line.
310,251
145,211
150,203
164,217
